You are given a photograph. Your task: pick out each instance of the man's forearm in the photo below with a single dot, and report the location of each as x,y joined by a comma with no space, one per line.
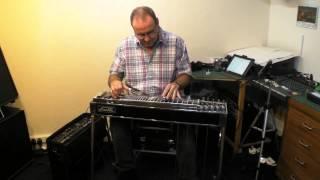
113,77
183,80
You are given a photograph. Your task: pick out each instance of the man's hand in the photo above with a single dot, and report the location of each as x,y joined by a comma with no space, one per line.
117,88
171,91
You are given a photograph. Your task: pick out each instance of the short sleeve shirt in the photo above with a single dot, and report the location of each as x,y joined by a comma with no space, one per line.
151,72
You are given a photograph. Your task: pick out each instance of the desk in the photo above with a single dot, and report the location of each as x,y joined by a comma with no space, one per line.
223,76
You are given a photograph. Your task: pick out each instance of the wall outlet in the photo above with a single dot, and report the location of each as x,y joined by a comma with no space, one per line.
39,142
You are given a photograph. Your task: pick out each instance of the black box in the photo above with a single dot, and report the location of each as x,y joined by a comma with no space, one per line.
314,97
15,146
69,148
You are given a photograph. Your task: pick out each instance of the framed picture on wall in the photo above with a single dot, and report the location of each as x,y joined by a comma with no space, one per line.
307,17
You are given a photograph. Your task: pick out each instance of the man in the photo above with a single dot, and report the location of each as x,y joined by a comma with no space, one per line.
155,63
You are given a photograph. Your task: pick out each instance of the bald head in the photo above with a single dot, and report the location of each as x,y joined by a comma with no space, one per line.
143,14
145,25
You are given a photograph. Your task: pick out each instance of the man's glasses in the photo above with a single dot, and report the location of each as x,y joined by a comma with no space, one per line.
152,34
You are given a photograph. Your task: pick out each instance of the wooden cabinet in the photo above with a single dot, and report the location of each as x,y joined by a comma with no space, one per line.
300,154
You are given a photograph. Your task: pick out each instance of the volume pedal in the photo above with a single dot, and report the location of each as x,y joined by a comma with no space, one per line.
314,96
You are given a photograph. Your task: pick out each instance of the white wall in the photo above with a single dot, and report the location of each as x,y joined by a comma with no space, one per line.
59,51
284,33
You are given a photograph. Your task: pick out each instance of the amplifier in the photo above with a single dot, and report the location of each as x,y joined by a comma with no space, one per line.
69,147
15,146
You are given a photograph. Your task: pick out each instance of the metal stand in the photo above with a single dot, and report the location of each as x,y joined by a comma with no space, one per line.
253,126
92,117
266,110
2,114
263,133
222,129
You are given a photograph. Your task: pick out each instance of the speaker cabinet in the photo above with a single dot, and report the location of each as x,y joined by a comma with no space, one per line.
15,146
69,148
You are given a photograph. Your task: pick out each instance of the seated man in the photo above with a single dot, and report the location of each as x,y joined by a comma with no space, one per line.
156,63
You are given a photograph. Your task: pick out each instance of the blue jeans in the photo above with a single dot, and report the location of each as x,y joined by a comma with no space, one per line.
186,148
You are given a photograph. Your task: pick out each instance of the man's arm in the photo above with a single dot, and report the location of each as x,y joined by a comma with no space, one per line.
116,86
172,90
183,80
183,69
113,77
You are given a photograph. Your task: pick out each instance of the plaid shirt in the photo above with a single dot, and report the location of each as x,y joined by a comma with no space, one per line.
151,72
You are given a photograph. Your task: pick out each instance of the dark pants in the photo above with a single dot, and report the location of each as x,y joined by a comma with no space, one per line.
186,148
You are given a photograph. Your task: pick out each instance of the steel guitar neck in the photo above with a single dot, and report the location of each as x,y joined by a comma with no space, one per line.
157,102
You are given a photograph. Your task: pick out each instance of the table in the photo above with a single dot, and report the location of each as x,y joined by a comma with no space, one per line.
221,76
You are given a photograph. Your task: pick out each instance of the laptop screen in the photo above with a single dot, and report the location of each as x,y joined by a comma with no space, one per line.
239,65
